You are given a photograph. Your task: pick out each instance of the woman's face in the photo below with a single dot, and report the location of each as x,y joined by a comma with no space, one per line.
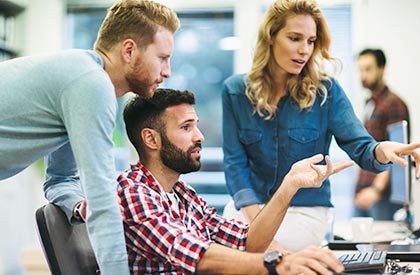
293,45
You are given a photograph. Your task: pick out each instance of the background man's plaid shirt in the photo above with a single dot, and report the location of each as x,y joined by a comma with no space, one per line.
389,108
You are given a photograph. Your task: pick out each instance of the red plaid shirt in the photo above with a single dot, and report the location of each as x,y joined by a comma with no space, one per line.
389,108
160,240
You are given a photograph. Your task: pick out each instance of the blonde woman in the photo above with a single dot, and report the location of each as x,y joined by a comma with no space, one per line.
288,108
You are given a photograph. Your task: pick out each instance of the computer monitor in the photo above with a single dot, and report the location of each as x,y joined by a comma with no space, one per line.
400,176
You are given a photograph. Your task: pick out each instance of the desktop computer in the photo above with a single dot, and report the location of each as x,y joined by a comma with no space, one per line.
400,176
400,180
408,248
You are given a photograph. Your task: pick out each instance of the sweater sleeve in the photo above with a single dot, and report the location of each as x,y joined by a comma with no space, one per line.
62,185
88,110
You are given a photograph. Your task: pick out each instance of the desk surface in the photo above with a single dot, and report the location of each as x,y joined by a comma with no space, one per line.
414,265
383,231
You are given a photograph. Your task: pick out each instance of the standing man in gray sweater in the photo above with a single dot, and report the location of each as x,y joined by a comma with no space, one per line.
63,106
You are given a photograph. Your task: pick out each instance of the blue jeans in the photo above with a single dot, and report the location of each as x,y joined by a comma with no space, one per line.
381,210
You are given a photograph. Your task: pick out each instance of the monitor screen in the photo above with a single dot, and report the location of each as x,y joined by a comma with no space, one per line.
400,176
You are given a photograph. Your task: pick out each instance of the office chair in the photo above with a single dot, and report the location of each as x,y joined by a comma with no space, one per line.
66,247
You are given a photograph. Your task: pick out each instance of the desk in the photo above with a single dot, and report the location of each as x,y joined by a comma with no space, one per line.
414,265
383,231
34,263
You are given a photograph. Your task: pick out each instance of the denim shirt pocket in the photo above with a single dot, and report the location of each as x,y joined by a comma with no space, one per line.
251,140
302,142
249,136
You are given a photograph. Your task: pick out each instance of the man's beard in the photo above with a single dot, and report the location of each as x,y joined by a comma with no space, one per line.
139,87
372,86
178,160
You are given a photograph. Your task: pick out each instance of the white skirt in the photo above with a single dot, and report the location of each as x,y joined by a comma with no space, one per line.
301,226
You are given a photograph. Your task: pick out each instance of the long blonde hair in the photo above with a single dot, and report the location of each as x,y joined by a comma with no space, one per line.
302,87
135,19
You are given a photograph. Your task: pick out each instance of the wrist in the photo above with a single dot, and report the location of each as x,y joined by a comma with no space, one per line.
376,189
287,189
378,154
271,260
375,155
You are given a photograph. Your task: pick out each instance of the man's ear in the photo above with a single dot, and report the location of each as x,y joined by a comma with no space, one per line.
128,47
151,138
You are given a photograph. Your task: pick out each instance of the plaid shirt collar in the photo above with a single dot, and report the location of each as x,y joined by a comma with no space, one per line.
184,191
377,95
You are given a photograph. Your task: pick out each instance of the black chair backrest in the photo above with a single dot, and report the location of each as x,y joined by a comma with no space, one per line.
66,247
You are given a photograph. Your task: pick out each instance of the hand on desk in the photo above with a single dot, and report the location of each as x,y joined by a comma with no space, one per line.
275,246
310,261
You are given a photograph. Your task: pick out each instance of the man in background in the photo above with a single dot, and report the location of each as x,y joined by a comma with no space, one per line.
382,109
63,106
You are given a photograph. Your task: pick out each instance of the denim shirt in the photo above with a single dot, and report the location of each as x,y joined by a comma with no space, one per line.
258,153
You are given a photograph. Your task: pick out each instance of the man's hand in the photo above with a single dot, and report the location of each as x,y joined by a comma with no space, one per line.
310,261
366,198
307,174
390,151
275,246
79,211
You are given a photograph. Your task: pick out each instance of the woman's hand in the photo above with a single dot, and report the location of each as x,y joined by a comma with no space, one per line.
391,151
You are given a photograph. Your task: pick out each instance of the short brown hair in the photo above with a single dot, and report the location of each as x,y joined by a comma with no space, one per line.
135,19
141,112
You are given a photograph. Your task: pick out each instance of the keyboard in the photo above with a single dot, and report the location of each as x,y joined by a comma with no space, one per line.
372,260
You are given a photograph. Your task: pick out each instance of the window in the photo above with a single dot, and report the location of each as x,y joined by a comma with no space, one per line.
200,64
342,184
